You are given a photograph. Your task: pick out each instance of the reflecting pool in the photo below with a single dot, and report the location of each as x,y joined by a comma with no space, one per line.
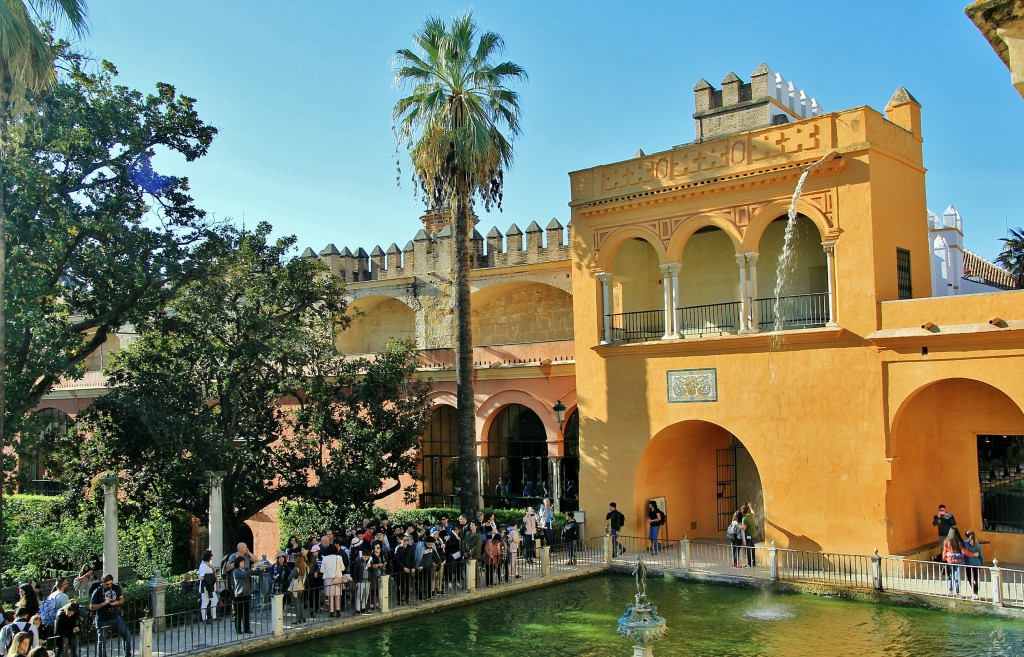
580,619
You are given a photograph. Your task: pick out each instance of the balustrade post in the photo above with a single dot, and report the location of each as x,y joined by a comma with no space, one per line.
876,570
158,596
684,554
385,593
666,289
754,321
773,562
470,574
607,548
677,328
606,309
997,584
545,561
830,262
277,612
145,637
741,260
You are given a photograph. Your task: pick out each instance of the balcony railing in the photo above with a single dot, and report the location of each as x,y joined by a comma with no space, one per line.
637,326
796,312
713,319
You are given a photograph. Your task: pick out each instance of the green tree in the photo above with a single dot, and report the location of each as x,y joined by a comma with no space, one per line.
452,122
241,376
1012,256
97,240
26,68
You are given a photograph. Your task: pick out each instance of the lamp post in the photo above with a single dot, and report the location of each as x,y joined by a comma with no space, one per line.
559,409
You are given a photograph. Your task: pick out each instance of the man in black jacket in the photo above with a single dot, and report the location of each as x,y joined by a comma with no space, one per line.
404,566
615,520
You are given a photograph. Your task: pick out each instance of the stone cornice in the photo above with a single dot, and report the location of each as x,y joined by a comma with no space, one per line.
719,344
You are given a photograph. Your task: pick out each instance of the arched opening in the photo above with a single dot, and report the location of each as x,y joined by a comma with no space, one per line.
440,448
700,473
571,463
381,319
516,313
944,436
709,284
42,430
803,297
516,466
637,301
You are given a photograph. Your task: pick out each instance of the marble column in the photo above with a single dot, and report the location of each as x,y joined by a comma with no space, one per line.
830,260
606,296
677,329
216,522
666,289
754,323
741,260
110,555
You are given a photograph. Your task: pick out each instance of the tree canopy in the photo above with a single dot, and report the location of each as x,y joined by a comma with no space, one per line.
1011,257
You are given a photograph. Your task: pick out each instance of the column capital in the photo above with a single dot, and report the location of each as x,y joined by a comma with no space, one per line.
604,276
741,259
829,247
752,256
215,477
110,483
669,268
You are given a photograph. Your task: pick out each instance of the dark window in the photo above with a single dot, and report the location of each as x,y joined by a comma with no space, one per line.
571,463
440,458
42,431
903,274
517,452
1000,461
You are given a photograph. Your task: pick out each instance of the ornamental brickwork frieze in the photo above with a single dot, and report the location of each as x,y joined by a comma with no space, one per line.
689,164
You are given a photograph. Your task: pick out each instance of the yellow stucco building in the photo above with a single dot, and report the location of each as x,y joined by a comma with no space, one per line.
847,406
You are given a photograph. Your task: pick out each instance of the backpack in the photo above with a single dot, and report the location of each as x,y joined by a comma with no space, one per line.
731,532
622,520
10,630
48,610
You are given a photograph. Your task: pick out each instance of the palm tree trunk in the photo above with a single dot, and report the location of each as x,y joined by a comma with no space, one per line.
3,335
469,486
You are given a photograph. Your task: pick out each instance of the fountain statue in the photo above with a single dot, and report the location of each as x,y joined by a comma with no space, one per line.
641,623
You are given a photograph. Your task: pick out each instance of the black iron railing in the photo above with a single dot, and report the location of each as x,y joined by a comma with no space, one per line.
638,326
715,318
795,312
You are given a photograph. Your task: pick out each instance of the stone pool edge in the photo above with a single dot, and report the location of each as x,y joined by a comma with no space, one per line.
966,607
331,628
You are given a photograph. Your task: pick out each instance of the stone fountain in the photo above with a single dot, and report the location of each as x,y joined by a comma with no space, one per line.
641,623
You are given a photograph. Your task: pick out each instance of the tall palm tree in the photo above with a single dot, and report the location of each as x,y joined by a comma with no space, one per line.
1012,256
459,122
26,67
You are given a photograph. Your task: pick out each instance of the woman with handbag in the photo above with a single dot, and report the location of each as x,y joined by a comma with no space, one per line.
333,569
208,588
296,585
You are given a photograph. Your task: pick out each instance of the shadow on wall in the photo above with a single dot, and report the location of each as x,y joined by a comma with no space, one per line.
794,541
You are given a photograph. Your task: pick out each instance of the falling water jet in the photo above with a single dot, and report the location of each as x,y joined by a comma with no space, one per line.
786,259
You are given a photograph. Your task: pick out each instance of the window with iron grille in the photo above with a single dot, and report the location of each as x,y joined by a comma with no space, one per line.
903,274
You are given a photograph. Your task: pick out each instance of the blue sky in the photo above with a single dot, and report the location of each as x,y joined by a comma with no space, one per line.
303,97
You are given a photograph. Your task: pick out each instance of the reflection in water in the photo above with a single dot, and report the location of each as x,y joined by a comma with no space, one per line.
579,619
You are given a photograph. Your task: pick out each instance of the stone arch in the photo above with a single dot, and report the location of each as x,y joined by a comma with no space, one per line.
612,243
696,504
521,312
686,230
488,410
376,319
780,208
443,397
934,459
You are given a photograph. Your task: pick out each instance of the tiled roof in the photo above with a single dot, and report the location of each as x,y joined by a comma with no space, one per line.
975,265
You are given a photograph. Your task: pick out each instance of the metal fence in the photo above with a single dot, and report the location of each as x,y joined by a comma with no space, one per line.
711,319
638,326
796,311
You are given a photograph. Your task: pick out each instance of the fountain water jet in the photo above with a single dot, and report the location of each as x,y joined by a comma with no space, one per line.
786,259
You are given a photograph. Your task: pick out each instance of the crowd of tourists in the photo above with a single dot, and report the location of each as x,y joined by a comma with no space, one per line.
342,572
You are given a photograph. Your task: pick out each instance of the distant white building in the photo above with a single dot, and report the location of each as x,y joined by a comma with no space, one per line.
955,270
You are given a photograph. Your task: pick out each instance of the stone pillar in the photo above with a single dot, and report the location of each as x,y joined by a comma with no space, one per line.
216,521
545,561
741,260
470,574
145,637
677,329
666,289
684,553
830,260
997,583
754,322
876,570
556,483
385,595
606,306
773,562
607,548
110,555
277,612
158,594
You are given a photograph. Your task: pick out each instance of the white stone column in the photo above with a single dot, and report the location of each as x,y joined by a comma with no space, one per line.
110,556
666,289
606,296
830,261
677,330
741,260
754,322
556,483
216,522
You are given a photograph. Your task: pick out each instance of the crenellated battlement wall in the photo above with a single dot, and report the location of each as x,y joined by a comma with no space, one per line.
431,254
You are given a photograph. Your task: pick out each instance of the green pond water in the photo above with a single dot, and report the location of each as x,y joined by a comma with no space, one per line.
580,619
